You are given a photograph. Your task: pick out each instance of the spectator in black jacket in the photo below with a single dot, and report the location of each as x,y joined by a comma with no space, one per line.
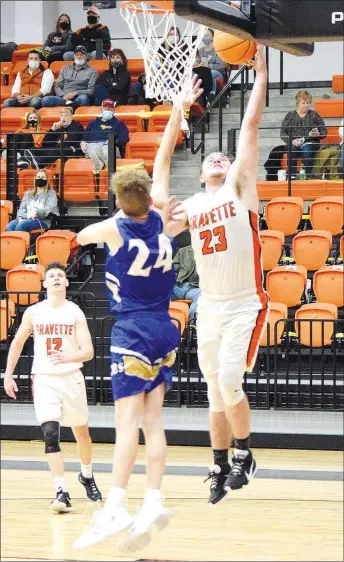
115,82
29,136
55,44
51,147
87,36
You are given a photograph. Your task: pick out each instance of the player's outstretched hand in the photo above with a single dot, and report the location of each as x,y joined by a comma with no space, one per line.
189,94
10,387
174,214
259,63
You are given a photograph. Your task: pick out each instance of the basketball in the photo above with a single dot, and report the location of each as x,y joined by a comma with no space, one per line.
233,50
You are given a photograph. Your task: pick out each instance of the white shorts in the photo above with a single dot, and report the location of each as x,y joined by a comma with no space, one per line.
61,398
229,331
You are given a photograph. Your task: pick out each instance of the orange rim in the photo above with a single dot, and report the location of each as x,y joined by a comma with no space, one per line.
152,6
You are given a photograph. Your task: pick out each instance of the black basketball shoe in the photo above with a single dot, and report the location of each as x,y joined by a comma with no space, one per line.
242,471
218,475
61,503
92,492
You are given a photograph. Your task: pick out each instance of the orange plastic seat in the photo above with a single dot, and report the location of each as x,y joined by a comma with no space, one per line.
277,311
284,214
286,284
12,118
100,65
49,116
6,209
135,68
311,248
134,122
26,180
87,113
6,313
57,66
121,164
327,213
329,108
3,180
25,278
55,245
332,136
5,70
284,162
338,83
272,247
315,334
79,182
328,284
341,248
196,110
178,319
13,248
157,124
131,108
144,146
182,306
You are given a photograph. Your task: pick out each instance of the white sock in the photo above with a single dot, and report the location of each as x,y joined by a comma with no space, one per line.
59,483
86,470
241,453
153,495
116,497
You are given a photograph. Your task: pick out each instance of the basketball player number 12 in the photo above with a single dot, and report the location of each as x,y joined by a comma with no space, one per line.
53,344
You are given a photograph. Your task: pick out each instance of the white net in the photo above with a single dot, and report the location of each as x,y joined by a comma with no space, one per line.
168,67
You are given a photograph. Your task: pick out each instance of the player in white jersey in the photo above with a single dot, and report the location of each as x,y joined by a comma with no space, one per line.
62,342
232,309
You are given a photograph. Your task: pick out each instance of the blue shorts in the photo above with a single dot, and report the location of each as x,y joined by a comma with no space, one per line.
142,353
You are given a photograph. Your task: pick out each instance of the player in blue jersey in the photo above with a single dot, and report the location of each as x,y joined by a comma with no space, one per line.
139,278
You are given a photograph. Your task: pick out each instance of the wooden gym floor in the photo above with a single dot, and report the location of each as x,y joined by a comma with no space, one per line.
292,510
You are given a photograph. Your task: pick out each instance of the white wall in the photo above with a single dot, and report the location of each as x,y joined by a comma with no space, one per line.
29,21
7,14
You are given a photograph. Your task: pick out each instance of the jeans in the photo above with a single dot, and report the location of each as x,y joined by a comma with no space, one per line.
53,101
69,55
306,153
26,225
187,291
33,102
216,74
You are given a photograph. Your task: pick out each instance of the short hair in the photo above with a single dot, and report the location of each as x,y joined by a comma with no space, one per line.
119,52
303,94
132,187
55,265
66,109
34,52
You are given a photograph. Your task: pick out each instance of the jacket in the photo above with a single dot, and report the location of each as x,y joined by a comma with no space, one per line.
43,203
73,135
73,79
117,82
98,131
302,126
87,37
185,267
58,41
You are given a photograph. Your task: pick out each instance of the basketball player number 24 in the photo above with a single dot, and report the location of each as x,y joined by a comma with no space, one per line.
164,259
213,240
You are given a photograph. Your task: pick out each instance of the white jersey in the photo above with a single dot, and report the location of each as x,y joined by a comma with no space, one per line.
225,241
54,330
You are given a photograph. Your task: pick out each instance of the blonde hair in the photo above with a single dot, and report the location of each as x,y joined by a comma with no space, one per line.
67,109
26,120
46,188
303,94
132,188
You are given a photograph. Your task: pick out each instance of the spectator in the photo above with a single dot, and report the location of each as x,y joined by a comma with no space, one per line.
306,128
204,74
187,280
36,206
137,95
56,42
28,136
31,84
95,143
115,82
75,84
211,59
51,148
341,134
87,36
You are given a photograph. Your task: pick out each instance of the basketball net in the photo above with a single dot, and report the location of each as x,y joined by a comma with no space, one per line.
168,67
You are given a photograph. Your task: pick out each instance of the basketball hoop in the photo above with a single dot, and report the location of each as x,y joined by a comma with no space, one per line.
168,70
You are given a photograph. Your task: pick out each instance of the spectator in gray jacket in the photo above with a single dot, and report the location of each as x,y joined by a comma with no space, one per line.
75,84
36,206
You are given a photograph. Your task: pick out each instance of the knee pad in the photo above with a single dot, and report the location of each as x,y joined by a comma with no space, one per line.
231,376
51,432
216,402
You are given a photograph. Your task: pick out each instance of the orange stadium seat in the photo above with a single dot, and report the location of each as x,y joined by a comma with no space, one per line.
182,306
3,180
6,209
5,70
332,136
13,248
86,114
21,52
55,244
100,65
178,319
157,124
57,66
341,248
329,108
315,334
338,83
131,108
272,247
327,213
286,284
49,115
121,164
284,162
134,122
26,180
328,285
12,118
24,278
135,68
269,189
312,248
7,310
145,146
284,214
79,183
277,311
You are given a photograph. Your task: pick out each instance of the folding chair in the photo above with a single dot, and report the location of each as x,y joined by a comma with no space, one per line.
286,284
55,245
315,334
272,247
7,311
328,285
25,278
277,311
284,214
6,209
312,248
13,248
327,213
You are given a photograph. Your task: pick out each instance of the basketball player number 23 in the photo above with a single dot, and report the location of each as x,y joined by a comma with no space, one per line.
210,245
53,344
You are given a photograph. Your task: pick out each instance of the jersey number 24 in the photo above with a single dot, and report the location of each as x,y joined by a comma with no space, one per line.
164,259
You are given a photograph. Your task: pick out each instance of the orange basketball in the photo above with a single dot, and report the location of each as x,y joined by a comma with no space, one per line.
233,50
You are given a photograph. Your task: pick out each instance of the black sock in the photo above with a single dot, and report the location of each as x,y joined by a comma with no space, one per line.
242,444
221,457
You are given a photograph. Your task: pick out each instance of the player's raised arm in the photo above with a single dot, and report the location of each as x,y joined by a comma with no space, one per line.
16,347
104,231
84,340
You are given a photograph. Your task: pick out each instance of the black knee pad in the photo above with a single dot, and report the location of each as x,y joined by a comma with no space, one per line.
51,432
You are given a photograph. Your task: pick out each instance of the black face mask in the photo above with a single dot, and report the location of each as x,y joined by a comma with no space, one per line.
41,182
32,123
92,19
116,63
64,25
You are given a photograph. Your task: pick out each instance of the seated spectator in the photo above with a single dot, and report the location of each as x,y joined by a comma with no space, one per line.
56,42
137,94
75,84
95,143
51,148
306,128
36,206
28,137
115,82
204,74
31,84
187,280
211,59
88,36
341,134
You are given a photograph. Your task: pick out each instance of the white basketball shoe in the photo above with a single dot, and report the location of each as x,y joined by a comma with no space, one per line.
105,523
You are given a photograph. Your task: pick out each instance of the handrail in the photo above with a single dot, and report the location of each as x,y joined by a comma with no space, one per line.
72,266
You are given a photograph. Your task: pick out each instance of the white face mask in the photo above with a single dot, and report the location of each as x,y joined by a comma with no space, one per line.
33,64
107,115
79,62
172,39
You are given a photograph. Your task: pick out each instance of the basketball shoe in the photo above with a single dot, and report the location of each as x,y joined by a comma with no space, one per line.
218,475
105,523
242,470
139,534
92,492
61,503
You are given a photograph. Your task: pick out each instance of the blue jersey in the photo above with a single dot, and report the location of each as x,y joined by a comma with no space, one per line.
140,276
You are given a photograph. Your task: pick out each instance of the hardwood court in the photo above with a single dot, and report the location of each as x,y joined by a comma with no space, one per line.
293,510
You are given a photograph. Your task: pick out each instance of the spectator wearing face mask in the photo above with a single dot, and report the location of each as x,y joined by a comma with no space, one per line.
29,136
75,84
36,206
95,143
115,82
204,74
88,36
31,84
56,42
211,59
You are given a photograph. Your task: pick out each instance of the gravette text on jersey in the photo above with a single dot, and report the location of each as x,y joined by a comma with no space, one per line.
224,211
54,329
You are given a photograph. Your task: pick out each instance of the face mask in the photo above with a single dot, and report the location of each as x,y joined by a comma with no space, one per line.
79,62
92,19
207,40
41,182
32,123
117,63
172,40
107,115
33,64
64,25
